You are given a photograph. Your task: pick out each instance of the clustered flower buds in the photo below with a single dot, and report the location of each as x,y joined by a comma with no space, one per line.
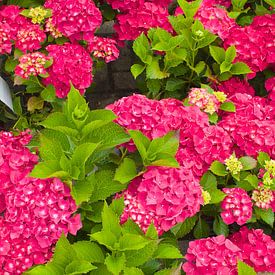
233,165
37,15
262,197
31,64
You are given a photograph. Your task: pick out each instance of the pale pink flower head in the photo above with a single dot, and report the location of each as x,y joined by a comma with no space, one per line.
71,64
34,212
131,24
105,48
263,197
169,195
31,64
51,28
257,249
201,98
214,255
236,206
76,19
29,38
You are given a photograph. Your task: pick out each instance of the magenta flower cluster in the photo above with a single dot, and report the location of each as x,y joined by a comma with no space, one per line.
219,255
71,64
75,19
34,212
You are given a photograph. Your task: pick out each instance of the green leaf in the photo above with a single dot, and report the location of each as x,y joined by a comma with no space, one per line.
88,251
217,53
35,103
262,158
117,206
126,171
82,191
219,227
10,64
218,169
141,141
240,68
225,67
213,118
228,106
50,149
104,185
137,69
106,238
141,48
266,215
153,70
208,181
271,3
133,271
151,232
63,253
110,221
132,242
201,229
81,155
245,269
48,94
183,228
115,264
174,84
253,180
248,163
238,4
167,251
189,9
79,267
141,256
230,54
216,196
45,169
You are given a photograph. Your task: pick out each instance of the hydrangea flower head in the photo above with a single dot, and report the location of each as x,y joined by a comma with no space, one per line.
206,197
215,255
31,64
76,19
71,63
105,48
233,165
205,101
131,24
236,206
29,38
258,249
5,39
170,195
34,212
262,197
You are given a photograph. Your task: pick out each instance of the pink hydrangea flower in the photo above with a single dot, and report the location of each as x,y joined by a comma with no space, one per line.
29,38
263,197
49,27
169,195
270,87
105,48
236,85
258,249
5,39
34,212
131,24
31,64
236,206
211,256
76,19
71,63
